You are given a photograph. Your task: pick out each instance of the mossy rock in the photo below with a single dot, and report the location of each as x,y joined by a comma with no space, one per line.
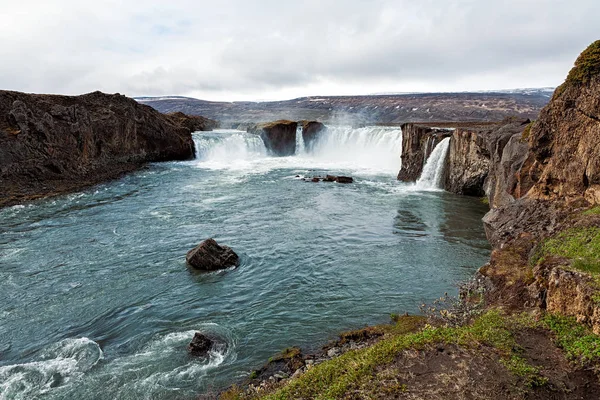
586,66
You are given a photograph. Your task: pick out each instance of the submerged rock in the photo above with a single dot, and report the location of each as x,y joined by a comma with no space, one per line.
210,256
200,345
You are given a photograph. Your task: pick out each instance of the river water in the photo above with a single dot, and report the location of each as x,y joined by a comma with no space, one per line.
96,300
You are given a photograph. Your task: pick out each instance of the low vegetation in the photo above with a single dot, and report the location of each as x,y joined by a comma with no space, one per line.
587,65
357,370
578,343
580,245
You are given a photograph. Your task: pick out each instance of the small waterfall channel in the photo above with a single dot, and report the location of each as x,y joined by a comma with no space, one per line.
433,171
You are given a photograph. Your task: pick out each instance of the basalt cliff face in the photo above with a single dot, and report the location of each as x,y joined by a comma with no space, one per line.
52,144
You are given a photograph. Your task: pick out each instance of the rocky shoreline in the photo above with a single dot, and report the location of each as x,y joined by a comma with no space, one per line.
527,326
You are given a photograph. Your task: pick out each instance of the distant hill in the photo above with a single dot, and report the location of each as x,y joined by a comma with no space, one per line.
380,108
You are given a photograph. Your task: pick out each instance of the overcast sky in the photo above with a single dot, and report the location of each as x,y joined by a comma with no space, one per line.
254,50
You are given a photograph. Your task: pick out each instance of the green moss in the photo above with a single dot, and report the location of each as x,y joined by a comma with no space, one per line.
592,211
586,66
527,132
253,374
337,377
575,339
518,366
485,200
581,245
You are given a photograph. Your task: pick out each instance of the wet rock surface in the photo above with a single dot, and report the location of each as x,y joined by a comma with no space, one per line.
200,345
210,256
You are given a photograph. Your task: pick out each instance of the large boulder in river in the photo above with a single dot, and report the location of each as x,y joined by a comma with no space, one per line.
279,136
200,345
210,256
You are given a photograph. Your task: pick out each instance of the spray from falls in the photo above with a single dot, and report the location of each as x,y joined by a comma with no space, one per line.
433,171
228,146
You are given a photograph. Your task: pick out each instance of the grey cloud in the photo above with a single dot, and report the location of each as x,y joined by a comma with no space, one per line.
235,48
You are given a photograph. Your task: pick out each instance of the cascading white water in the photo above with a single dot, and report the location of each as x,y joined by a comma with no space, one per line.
431,177
227,146
370,148
300,148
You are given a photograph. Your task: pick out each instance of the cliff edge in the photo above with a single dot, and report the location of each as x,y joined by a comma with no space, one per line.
51,144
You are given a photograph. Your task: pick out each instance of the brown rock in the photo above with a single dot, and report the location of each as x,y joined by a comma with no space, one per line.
193,122
53,144
564,143
344,179
279,136
210,256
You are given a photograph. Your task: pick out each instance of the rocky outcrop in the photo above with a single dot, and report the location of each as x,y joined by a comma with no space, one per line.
418,141
310,132
193,122
507,151
279,136
544,176
564,143
200,345
53,144
467,164
210,256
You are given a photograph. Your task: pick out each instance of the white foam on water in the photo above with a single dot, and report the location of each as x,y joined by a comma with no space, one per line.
59,364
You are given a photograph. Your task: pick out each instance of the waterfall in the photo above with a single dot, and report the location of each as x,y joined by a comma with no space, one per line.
300,149
431,177
372,148
227,146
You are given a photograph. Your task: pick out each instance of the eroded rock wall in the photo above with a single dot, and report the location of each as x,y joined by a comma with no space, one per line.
418,141
54,144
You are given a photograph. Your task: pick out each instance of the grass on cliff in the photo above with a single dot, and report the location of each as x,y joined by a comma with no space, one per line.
356,369
587,65
581,245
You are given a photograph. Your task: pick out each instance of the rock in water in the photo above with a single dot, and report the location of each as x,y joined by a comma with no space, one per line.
344,179
210,256
200,345
279,136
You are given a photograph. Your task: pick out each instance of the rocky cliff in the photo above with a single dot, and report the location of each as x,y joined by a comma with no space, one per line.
53,144
543,223
279,136
418,141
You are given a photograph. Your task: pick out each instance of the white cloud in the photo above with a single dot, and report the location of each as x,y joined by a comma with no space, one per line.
235,49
